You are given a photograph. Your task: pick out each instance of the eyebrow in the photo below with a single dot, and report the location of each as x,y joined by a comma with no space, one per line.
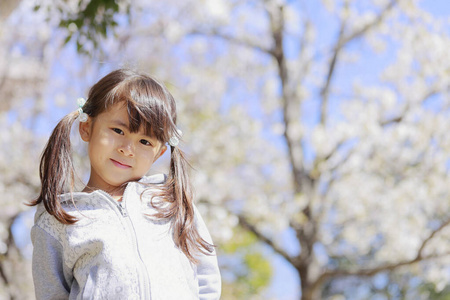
120,123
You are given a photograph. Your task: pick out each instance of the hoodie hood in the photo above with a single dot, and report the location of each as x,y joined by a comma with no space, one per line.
66,199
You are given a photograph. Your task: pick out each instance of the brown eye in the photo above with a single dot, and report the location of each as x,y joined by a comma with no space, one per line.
117,130
146,143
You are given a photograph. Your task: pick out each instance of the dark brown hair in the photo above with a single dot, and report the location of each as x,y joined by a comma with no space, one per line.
150,105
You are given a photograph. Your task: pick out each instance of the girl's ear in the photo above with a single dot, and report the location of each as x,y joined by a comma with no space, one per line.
85,129
160,153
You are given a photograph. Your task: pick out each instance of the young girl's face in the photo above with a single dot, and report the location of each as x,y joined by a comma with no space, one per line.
116,154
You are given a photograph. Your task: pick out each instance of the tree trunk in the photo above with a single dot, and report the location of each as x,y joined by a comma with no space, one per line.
7,7
310,294
310,291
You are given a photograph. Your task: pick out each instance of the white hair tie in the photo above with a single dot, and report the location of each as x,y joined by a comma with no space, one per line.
174,140
81,114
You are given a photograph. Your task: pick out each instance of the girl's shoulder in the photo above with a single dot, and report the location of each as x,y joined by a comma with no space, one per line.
70,203
78,204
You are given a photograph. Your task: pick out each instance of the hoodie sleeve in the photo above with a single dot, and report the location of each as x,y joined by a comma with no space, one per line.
48,266
208,273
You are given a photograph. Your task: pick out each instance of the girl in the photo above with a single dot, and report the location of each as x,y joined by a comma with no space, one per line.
125,236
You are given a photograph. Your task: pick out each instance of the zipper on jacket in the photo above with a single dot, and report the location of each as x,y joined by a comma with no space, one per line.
144,286
122,209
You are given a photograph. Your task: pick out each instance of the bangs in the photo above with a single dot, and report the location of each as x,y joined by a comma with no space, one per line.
148,107
151,120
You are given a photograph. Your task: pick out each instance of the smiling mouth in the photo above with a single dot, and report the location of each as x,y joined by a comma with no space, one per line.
119,164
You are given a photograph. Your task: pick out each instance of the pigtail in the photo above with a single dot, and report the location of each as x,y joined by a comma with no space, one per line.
179,207
186,236
56,170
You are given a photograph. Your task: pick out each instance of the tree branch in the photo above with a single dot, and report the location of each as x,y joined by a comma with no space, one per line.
389,267
369,26
245,43
342,41
430,236
9,244
246,225
304,65
326,88
372,272
400,117
289,102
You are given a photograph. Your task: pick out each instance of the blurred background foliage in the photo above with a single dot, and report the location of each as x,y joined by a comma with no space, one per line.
88,23
318,131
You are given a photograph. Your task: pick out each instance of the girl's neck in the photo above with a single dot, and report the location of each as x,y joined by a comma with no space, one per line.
116,193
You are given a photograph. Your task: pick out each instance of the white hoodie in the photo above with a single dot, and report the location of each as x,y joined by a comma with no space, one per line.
117,251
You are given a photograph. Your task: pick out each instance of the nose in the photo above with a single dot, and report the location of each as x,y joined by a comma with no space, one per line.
127,148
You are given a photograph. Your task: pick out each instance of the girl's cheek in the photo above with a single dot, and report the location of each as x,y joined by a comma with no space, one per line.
150,156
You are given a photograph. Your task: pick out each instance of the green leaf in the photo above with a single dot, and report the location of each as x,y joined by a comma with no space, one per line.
67,39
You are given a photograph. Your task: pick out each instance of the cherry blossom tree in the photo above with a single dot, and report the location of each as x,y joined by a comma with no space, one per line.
320,123
335,133
355,167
